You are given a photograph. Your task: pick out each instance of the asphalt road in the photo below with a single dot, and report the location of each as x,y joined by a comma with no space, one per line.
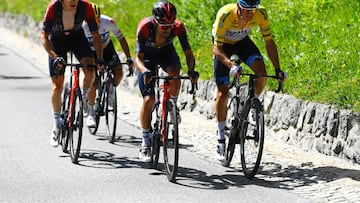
32,171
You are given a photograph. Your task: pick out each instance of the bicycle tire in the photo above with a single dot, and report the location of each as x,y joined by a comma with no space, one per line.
252,137
155,149
64,139
155,139
76,129
111,112
171,142
98,109
234,131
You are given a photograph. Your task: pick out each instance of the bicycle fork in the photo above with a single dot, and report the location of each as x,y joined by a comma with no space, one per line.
72,95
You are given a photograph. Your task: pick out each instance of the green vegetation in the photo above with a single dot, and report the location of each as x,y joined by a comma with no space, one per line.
318,40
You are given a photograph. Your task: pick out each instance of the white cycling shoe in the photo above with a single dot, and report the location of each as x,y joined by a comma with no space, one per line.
90,121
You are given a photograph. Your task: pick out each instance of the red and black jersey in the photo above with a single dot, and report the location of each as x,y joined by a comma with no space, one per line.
145,38
52,22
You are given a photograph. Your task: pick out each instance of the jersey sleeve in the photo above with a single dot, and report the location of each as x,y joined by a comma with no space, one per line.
111,25
90,17
142,33
49,17
180,31
263,21
219,29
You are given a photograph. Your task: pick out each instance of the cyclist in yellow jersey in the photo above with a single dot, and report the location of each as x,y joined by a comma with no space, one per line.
230,36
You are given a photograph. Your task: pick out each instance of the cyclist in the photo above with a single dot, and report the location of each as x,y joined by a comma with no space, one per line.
230,36
107,24
154,46
61,32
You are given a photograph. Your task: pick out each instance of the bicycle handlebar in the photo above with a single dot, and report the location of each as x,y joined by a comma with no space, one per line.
254,76
181,77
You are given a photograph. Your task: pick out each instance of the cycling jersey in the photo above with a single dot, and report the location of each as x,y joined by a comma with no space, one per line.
226,26
52,22
145,41
107,24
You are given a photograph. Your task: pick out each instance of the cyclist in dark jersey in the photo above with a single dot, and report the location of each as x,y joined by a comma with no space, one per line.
62,32
154,46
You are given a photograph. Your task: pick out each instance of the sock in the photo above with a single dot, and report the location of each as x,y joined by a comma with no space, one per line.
174,98
221,130
91,109
85,92
146,139
57,124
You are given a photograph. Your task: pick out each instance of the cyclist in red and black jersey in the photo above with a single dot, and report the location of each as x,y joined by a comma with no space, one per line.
154,46
62,32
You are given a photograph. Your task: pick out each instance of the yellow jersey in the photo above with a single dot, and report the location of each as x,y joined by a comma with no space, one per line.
226,26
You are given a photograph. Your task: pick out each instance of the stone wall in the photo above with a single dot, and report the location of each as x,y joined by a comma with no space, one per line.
310,126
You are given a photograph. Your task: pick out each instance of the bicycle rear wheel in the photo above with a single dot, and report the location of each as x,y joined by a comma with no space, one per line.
252,137
171,141
64,139
98,109
111,111
76,127
232,136
155,149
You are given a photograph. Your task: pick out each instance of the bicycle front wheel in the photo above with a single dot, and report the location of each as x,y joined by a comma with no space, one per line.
76,127
111,111
252,137
171,141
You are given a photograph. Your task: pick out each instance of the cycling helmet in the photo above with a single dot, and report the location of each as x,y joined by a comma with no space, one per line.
96,9
249,3
164,12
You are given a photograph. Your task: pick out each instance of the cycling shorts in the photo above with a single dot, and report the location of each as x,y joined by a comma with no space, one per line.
245,49
76,43
172,59
109,54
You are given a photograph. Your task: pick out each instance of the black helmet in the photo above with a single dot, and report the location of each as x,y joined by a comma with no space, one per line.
164,12
249,3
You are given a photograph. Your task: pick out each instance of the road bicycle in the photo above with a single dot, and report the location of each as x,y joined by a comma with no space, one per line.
71,114
106,101
247,125
165,129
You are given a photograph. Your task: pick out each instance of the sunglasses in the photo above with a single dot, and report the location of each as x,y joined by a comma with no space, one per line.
165,26
247,10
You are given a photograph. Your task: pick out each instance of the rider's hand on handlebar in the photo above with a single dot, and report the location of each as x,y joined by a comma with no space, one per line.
194,75
236,71
58,63
130,64
281,74
146,77
100,64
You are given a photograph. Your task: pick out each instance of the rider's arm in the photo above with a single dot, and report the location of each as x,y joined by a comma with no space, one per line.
139,62
272,53
221,56
44,39
97,44
190,59
125,47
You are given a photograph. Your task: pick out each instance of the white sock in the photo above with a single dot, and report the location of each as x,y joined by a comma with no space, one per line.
85,92
145,139
91,109
57,124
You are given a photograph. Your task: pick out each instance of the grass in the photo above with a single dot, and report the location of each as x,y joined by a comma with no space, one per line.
318,40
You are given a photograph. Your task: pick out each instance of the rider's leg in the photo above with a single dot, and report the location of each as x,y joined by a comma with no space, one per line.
221,109
118,74
259,68
57,87
89,77
174,84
